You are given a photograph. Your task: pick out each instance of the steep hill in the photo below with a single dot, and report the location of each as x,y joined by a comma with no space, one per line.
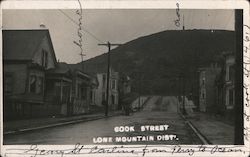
158,59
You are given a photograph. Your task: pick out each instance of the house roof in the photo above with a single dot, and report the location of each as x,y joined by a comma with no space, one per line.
64,68
61,68
22,44
78,69
75,67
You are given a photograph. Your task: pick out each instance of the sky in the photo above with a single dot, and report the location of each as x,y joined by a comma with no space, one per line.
113,25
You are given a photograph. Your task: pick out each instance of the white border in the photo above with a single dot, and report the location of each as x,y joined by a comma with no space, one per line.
129,4
136,4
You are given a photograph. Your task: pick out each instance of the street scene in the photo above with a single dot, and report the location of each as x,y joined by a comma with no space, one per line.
121,77
153,113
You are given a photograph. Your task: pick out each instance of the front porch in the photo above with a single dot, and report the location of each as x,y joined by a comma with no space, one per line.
58,94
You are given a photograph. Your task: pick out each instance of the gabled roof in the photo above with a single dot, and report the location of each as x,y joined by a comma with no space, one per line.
22,44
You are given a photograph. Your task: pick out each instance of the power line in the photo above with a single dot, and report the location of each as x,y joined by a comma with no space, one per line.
84,29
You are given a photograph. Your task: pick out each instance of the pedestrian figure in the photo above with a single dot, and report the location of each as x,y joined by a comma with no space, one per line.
127,110
123,108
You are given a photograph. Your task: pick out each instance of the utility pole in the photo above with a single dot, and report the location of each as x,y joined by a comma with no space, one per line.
178,85
183,27
108,44
140,86
182,92
184,95
180,79
139,99
81,54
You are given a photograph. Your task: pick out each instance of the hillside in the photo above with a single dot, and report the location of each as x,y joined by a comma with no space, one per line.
158,59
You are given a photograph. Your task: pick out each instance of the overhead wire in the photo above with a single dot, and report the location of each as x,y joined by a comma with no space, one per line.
84,29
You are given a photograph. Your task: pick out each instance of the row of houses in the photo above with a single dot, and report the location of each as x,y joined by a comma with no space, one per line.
217,86
37,85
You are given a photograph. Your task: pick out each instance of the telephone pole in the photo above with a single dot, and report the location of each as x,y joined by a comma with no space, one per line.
182,92
108,44
183,27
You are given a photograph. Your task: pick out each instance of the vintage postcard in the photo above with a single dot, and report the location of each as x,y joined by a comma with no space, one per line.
125,78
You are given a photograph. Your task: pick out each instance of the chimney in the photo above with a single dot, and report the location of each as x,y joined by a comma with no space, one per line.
42,26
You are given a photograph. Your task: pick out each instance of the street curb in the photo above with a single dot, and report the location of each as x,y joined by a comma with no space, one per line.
203,138
56,124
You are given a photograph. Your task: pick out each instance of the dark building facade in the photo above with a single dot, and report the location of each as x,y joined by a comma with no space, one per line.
27,55
225,86
217,86
207,88
35,84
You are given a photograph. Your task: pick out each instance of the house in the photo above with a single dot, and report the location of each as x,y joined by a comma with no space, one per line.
125,85
82,91
225,85
94,86
71,88
207,87
58,91
27,55
99,72
35,84
229,81
124,89
101,91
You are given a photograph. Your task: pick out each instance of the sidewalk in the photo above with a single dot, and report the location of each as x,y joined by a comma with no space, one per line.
215,131
18,126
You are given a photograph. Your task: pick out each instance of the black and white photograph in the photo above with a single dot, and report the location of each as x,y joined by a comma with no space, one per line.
169,76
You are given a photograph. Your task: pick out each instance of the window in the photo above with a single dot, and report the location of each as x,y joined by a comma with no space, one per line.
103,80
32,84
203,81
203,95
113,84
82,91
44,58
40,85
230,73
36,84
231,97
8,83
